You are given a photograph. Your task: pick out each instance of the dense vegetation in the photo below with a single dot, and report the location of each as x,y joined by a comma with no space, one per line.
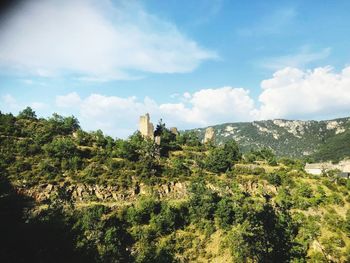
334,148
236,208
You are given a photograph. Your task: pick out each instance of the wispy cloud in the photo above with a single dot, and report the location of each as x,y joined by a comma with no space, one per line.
275,22
94,40
10,104
300,59
211,8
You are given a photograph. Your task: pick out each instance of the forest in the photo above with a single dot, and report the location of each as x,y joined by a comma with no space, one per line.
228,206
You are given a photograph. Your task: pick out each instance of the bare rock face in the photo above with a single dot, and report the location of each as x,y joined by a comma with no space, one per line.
84,192
209,135
172,189
99,195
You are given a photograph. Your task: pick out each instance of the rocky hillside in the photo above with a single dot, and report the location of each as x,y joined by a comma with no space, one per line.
291,138
67,195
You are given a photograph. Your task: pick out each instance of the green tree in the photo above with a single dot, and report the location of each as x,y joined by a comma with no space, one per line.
270,235
104,235
189,138
27,113
221,159
167,139
225,213
61,148
59,125
203,202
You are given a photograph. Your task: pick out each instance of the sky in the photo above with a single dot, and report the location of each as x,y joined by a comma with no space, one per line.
191,63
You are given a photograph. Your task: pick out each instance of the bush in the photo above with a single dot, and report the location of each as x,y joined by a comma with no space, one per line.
61,148
143,210
224,213
203,202
304,191
189,139
274,179
169,219
221,159
177,169
336,199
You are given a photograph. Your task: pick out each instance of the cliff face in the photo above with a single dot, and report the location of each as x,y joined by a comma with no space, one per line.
77,193
83,192
291,138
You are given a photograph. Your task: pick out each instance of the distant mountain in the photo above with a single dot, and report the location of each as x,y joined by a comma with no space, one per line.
322,140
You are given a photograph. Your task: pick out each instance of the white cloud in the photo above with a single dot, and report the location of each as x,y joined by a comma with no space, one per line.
9,103
94,40
295,93
119,116
69,100
291,93
38,106
210,106
300,59
115,115
187,95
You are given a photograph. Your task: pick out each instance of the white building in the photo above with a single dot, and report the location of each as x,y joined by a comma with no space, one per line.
319,168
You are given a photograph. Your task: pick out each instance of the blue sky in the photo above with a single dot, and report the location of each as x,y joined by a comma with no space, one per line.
192,63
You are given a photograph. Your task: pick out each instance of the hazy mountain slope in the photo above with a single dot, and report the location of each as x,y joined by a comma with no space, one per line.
335,147
291,138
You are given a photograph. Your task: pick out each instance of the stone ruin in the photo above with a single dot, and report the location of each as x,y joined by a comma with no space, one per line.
174,131
209,135
146,127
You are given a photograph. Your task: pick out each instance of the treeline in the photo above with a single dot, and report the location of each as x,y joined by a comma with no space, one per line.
52,149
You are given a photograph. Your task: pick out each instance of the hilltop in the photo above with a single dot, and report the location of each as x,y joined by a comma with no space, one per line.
71,195
321,140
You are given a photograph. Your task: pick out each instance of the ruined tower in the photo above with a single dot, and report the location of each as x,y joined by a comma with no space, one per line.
209,135
146,127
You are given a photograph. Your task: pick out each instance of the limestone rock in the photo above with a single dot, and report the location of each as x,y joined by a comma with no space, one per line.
209,135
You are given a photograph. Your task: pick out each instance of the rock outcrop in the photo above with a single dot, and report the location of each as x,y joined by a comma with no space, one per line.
209,135
105,193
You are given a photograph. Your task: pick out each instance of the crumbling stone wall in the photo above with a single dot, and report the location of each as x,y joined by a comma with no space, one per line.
146,127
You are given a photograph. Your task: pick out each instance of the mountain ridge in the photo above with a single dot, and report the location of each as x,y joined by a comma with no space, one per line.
287,138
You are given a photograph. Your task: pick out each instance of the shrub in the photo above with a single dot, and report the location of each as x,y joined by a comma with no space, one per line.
221,159
304,190
142,211
274,179
224,213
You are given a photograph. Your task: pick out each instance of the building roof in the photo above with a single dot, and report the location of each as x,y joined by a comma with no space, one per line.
343,167
318,166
